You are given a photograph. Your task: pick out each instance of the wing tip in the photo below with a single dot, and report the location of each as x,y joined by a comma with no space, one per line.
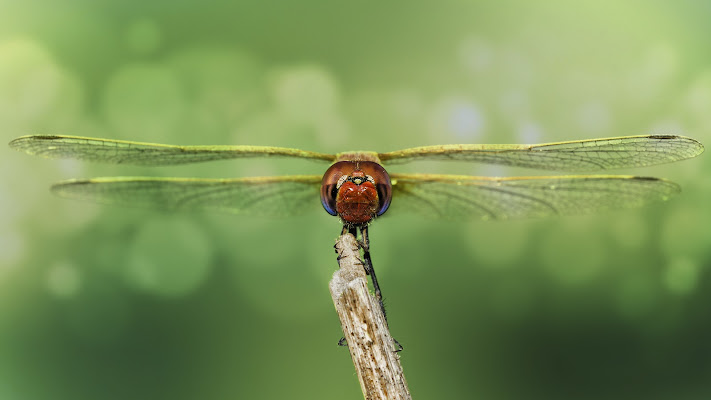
694,145
698,146
18,142
27,143
672,187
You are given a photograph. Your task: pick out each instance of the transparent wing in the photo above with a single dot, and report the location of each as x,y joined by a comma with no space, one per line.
269,196
149,154
457,197
573,156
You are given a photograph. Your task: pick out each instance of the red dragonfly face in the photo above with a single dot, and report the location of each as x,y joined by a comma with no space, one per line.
356,191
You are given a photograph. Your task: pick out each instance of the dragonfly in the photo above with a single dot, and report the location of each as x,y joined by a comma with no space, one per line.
357,188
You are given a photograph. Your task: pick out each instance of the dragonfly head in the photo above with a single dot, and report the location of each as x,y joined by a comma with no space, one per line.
356,191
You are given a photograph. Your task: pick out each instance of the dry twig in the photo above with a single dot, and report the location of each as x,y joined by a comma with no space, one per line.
372,348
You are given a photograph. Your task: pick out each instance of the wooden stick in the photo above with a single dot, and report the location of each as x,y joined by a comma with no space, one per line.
372,349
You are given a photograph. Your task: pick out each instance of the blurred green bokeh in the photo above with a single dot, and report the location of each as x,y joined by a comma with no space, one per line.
113,303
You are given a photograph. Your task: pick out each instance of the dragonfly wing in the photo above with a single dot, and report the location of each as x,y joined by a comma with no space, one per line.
457,197
269,196
149,154
572,156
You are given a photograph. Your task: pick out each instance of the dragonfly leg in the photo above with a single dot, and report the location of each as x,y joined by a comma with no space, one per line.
368,265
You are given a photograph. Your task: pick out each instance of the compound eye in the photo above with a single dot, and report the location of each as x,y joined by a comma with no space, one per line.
380,178
331,181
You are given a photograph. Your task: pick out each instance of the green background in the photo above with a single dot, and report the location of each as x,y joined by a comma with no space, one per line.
114,303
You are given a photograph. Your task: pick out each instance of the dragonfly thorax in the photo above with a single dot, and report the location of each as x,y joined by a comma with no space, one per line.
356,191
